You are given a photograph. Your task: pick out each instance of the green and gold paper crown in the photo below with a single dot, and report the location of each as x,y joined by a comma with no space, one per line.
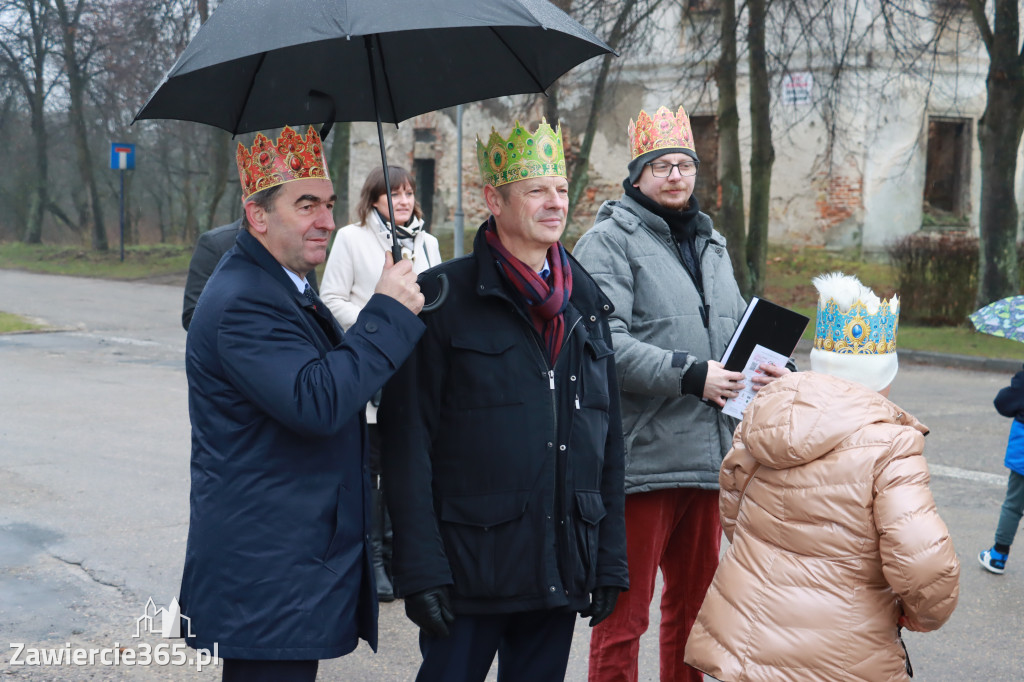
522,155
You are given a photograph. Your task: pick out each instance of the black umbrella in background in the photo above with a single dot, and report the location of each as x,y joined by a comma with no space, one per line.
259,64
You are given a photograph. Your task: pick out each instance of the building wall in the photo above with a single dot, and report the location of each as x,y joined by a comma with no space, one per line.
847,175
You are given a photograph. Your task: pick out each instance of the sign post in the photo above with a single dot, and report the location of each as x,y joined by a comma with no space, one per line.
122,158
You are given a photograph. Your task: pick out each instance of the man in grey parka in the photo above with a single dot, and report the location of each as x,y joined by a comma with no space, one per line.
667,272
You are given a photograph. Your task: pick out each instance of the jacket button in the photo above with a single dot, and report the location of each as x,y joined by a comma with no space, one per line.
606,306
572,378
371,327
552,589
562,448
593,318
550,444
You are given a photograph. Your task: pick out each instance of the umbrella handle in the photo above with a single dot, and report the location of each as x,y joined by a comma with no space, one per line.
442,295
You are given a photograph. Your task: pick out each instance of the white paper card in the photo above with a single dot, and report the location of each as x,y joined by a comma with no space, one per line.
734,407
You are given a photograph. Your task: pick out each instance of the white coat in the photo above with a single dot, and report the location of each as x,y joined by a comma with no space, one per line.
355,264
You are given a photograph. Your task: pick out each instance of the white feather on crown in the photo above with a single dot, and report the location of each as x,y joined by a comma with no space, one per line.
855,332
846,290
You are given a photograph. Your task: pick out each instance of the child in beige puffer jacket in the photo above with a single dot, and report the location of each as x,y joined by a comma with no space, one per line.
836,541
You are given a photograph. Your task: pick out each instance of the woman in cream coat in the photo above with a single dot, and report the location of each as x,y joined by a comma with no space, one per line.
350,276
357,256
836,541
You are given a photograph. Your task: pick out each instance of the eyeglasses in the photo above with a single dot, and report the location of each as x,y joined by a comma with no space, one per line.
663,169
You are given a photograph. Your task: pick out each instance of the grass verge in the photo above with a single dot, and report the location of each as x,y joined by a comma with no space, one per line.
139,262
789,274
15,323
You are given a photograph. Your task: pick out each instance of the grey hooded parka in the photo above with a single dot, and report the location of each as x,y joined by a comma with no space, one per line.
672,440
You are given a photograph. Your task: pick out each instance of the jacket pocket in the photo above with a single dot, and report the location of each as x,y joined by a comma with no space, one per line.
482,372
594,370
590,510
490,544
341,534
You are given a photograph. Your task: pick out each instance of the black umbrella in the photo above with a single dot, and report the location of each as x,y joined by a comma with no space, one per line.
259,64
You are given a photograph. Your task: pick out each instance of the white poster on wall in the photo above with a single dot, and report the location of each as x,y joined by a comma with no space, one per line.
797,87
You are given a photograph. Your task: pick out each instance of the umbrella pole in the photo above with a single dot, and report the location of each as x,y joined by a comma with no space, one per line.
396,249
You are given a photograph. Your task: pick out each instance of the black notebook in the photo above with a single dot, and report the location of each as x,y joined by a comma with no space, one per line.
763,324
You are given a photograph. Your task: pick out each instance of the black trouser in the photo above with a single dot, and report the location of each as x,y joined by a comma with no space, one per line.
380,522
241,670
532,646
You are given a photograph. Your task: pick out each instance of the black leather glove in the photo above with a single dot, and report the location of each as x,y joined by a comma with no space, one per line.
602,603
431,610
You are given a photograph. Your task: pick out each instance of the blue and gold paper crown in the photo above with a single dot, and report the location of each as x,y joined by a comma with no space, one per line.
844,327
855,333
522,155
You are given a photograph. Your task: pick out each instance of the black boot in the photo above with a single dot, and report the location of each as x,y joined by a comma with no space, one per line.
385,591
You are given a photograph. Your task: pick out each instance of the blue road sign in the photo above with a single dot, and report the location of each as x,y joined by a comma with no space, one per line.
122,156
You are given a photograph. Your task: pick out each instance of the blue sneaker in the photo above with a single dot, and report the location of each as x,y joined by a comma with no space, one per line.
993,561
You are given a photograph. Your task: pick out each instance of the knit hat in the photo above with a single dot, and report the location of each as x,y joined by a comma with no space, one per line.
855,335
651,137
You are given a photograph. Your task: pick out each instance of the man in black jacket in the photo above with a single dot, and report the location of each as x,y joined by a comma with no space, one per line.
502,443
210,247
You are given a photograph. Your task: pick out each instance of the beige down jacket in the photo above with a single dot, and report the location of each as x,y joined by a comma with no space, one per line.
825,499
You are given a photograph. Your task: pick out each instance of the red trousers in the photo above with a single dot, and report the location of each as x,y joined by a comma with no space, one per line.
679,531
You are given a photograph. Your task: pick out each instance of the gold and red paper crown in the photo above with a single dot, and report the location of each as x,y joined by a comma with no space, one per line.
663,131
292,157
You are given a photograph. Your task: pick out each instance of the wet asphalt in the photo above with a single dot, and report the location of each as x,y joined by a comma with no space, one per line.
94,453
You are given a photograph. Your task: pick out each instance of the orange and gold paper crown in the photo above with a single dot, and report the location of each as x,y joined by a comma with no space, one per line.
663,131
268,164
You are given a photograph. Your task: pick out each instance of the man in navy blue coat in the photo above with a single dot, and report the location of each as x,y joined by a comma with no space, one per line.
277,570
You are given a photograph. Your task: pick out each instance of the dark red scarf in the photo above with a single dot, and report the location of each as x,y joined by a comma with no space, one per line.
545,302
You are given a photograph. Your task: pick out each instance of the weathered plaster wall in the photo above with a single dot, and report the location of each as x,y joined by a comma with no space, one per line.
852,177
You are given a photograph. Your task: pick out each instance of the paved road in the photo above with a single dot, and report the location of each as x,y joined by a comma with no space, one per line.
94,443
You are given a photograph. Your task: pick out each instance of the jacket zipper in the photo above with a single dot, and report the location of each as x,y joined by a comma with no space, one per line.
705,309
560,506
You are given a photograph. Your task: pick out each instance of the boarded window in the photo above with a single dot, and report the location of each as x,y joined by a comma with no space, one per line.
947,172
423,170
950,7
703,6
705,139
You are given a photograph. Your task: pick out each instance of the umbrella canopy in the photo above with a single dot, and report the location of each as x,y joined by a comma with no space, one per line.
1004,318
259,64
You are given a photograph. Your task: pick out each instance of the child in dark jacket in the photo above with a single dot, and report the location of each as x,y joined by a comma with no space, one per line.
1009,402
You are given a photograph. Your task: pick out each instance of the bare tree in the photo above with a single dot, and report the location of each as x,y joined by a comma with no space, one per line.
339,164
25,52
80,45
762,152
624,25
221,158
730,171
148,37
999,135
